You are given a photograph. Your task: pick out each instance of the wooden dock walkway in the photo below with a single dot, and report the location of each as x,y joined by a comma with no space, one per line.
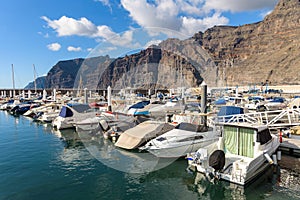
290,145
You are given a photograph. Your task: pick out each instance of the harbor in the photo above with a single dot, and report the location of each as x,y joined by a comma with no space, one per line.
163,99
55,164
112,147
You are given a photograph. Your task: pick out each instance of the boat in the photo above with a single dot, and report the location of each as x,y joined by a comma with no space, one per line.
22,108
140,134
107,118
6,105
70,114
145,110
135,107
170,107
185,138
240,155
48,113
271,104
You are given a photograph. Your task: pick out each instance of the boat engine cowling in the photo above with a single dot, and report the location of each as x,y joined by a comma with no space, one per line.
217,160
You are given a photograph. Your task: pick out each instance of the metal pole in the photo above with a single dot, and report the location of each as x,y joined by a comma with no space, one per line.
34,75
109,98
204,102
85,96
44,95
13,80
54,94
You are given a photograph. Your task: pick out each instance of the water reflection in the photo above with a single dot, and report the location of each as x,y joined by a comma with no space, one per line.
225,190
127,161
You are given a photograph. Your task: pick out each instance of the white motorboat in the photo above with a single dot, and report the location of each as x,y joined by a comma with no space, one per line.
185,138
46,109
240,155
70,114
7,105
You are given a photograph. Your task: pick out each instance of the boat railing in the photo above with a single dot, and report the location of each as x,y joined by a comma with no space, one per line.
276,118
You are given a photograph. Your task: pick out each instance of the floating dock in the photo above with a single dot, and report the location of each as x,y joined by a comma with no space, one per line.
291,146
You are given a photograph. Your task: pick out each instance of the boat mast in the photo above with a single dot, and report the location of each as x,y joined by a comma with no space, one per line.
34,74
13,79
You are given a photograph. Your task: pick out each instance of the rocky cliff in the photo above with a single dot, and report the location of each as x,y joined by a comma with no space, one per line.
267,51
259,53
153,68
40,83
77,73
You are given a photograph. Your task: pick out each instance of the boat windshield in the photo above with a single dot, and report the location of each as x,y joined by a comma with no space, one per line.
80,107
196,137
190,127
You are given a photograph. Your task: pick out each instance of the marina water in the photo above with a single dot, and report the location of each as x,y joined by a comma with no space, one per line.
36,163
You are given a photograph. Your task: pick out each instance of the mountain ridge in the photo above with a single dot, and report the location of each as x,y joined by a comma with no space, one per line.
266,52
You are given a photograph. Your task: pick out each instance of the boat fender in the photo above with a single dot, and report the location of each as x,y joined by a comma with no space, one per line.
269,159
217,160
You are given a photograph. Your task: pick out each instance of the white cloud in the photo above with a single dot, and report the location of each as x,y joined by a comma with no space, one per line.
104,2
152,15
54,46
66,26
71,48
188,16
263,14
152,42
239,5
101,51
192,25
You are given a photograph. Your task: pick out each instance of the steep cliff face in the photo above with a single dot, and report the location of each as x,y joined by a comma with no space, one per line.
63,74
151,68
77,73
40,83
267,51
259,53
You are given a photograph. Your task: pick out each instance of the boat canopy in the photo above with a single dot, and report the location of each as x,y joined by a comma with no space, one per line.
65,112
264,136
139,105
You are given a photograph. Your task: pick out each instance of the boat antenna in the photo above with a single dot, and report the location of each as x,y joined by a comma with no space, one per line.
34,74
13,79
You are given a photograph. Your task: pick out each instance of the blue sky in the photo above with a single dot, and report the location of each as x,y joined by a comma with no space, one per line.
42,32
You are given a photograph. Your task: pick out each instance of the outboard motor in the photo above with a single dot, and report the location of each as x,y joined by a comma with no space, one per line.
217,160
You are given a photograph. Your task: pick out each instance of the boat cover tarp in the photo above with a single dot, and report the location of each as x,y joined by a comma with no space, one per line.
217,160
139,105
230,110
220,101
136,136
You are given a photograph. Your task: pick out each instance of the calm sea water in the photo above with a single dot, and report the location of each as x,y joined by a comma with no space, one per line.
35,163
